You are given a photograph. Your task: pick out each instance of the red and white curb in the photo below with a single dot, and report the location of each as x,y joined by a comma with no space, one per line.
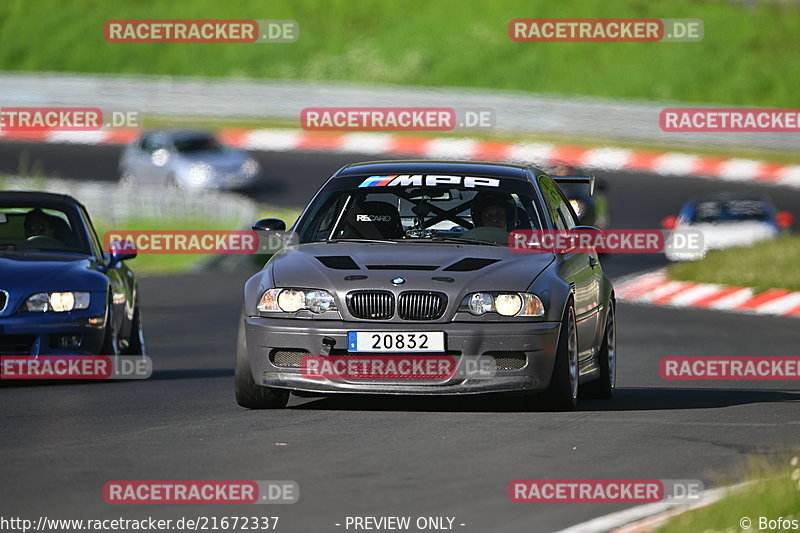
649,516
542,154
654,288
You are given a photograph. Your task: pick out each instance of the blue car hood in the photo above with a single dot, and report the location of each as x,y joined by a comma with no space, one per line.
22,274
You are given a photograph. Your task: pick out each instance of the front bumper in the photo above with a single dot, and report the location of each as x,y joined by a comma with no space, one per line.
39,334
464,340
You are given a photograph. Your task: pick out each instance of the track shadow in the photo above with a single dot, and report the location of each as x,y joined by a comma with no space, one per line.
629,399
191,373
158,375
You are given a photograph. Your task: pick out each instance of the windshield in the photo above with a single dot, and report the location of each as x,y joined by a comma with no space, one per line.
387,212
730,211
204,143
40,229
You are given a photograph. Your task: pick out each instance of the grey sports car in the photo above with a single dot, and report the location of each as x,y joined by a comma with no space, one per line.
403,262
189,160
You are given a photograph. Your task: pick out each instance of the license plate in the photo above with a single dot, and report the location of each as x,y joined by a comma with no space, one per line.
395,342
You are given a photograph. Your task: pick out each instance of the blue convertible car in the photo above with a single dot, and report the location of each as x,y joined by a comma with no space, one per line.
60,292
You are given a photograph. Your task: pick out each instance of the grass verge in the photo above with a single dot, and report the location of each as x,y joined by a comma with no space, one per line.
175,263
764,265
749,54
773,494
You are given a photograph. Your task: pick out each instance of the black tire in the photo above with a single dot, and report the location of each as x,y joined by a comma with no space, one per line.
606,383
110,347
562,394
136,345
248,393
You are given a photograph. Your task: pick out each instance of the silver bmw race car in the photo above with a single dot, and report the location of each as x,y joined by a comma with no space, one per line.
401,280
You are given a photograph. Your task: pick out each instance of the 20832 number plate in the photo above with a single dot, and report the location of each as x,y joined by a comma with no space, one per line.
395,342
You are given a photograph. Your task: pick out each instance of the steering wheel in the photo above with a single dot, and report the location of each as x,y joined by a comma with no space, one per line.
41,241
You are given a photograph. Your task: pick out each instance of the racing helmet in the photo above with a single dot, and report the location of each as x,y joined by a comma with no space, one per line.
484,199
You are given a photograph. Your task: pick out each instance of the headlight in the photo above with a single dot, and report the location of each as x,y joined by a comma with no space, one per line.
508,304
505,304
57,301
200,173
250,167
293,300
480,303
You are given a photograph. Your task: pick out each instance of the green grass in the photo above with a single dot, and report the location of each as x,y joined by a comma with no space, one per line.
775,492
749,56
765,265
173,263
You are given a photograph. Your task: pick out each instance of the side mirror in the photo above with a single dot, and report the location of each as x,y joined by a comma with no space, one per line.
784,219
669,222
269,224
121,251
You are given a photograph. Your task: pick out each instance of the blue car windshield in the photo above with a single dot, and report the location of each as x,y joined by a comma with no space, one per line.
715,211
40,229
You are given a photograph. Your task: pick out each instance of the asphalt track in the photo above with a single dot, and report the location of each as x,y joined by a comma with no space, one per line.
366,456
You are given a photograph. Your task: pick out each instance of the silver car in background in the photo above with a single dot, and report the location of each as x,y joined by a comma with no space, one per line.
191,160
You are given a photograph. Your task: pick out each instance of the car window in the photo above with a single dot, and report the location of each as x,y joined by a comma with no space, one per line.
556,204
30,227
151,143
730,211
200,143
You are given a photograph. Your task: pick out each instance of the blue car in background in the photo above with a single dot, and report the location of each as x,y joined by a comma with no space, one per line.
60,292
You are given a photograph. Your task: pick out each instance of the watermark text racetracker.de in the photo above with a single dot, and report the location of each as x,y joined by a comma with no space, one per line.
197,241
397,367
605,490
200,31
65,119
395,118
605,30
627,241
200,492
725,368
729,120
91,367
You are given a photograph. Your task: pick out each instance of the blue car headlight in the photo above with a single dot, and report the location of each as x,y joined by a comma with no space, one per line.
58,302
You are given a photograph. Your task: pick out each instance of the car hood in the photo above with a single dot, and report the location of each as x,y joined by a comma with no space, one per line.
730,234
22,274
449,268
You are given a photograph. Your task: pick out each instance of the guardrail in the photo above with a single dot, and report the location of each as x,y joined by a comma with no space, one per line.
113,203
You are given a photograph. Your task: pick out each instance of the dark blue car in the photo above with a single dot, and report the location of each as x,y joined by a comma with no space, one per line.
60,292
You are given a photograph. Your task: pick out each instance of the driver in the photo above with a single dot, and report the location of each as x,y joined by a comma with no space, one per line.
37,223
493,214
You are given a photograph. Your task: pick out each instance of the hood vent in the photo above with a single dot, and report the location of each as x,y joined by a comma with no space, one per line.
402,267
469,264
338,262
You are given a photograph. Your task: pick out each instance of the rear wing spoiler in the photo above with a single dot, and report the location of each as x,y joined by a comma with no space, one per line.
584,180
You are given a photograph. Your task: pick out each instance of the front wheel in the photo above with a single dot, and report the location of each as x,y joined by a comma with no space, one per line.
562,394
248,393
136,343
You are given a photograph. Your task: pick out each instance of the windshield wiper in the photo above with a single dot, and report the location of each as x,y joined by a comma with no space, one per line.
378,241
462,240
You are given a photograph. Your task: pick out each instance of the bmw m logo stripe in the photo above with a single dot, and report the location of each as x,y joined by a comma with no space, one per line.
430,180
377,181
